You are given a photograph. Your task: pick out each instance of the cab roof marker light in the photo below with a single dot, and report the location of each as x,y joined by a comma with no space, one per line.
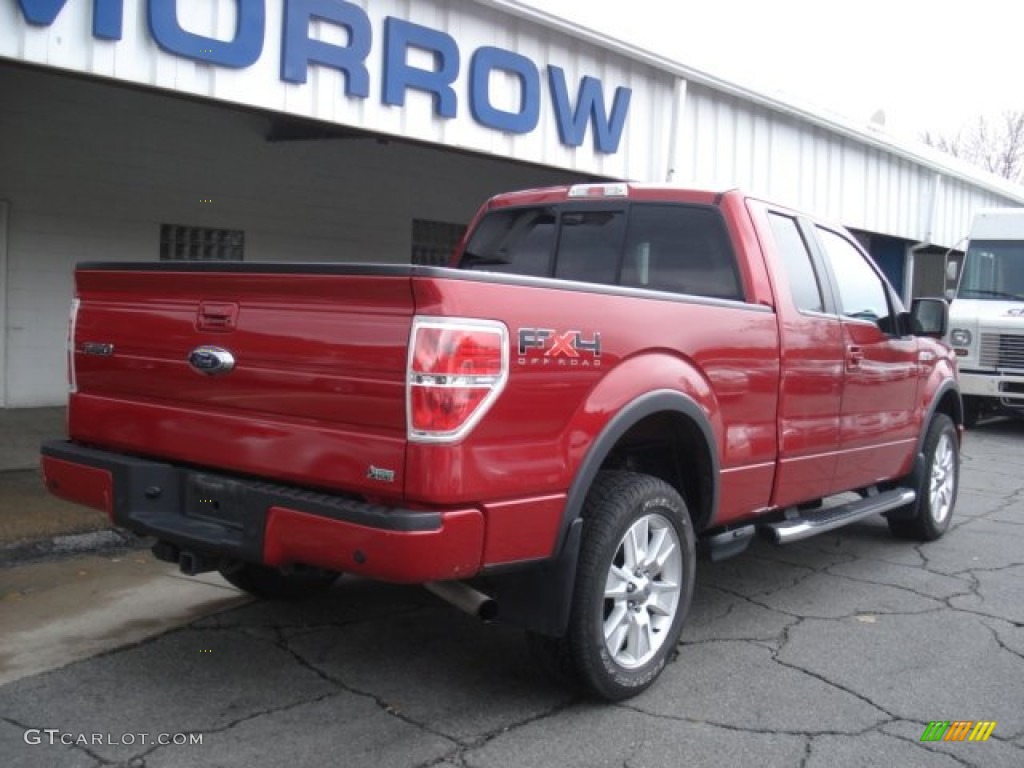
599,190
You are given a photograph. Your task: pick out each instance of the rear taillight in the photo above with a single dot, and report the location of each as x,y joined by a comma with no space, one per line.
72,322
457,368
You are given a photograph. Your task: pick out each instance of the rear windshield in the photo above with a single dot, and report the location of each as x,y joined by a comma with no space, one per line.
664,247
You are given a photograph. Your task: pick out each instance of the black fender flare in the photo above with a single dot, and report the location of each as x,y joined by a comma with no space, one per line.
913,480
940,394
646,405
539,599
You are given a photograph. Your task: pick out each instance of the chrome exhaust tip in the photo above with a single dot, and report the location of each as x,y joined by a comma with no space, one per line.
465,598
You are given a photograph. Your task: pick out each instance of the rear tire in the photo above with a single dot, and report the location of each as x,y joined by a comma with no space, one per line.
937,489
634,584
273,584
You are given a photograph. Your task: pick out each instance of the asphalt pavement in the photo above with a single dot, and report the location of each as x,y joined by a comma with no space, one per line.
834,651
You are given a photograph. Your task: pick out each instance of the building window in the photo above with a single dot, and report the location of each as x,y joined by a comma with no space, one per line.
181,243
433,242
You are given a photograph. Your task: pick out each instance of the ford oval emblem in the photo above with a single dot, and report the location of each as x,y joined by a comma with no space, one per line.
211,360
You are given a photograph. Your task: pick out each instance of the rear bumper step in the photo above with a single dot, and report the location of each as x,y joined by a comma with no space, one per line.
819,521
213,516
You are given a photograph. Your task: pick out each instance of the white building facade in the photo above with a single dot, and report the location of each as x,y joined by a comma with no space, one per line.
314,130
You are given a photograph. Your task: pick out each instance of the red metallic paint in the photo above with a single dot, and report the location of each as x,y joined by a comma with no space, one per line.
316,397
451,552
292,451
522,529
89,486
539,431
318,394
878,428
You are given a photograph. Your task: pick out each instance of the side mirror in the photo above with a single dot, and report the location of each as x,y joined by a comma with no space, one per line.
929,317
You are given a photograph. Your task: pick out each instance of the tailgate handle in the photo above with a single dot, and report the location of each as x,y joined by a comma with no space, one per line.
217,316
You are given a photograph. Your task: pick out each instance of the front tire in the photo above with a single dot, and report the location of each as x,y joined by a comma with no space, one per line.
938,485
634,584
273,584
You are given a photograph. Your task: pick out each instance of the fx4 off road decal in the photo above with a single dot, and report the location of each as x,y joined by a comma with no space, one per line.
566,349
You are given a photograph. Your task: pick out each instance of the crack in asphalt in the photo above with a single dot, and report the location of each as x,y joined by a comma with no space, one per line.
866,699
768,557
903,587
1008,504
925,560
727,612
983,615
443,760
464,747
721,613
220,729
244,719
284,644
967,576
818,544
746,729
283,636
753,601
983,569
758,641
461,745
796,579
852,615
780,553
932,749
999,640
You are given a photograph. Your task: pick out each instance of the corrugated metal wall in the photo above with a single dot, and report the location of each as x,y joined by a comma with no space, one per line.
725,136
68,43
730,136
92,172
729,142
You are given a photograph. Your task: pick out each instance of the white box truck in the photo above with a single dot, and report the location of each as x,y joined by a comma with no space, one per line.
986,319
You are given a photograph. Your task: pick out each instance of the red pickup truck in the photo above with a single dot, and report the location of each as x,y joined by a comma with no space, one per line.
607,381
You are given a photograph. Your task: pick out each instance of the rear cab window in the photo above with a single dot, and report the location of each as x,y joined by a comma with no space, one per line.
677,248
804,285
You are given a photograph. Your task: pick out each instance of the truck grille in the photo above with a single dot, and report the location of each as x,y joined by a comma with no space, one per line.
1002,350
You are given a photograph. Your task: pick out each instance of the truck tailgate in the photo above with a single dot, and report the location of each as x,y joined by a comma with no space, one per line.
317,391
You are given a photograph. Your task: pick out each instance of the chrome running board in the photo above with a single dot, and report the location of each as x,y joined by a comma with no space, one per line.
819,521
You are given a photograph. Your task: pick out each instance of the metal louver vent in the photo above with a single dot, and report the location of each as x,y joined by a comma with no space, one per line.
1002,350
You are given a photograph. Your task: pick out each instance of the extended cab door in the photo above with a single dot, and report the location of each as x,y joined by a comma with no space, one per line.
811,347
877,431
